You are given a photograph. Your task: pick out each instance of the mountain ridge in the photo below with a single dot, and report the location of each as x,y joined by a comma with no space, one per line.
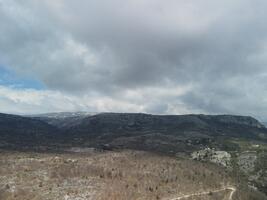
137,130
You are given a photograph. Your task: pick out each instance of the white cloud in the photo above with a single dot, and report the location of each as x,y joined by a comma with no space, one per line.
19,100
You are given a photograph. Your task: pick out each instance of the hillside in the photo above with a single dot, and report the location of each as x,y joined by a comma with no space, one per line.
121,175
161,133
170,133
17,131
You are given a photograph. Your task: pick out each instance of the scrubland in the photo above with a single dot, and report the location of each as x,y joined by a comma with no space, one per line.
121,175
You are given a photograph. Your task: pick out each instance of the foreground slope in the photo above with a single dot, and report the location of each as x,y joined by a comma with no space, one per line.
120,175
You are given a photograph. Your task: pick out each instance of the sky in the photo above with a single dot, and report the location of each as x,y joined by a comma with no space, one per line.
151,56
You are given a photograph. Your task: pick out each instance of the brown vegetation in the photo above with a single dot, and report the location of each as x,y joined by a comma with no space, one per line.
127,175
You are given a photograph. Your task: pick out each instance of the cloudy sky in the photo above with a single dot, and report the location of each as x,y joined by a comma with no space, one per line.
154,56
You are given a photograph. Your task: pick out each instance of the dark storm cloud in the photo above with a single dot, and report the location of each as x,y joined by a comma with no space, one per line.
217,50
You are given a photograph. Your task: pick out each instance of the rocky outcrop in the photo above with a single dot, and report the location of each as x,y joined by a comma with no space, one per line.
246,162
222,158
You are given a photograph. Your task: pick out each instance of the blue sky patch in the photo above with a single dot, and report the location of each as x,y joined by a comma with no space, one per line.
10,79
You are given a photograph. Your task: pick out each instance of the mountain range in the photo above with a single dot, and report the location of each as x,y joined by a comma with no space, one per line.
164,133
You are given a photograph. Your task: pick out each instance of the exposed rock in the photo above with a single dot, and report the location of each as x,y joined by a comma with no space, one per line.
222,158
246,162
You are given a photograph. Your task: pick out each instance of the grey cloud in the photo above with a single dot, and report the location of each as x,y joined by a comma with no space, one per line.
111,47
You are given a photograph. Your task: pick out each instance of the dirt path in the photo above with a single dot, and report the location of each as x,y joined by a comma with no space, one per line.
233,190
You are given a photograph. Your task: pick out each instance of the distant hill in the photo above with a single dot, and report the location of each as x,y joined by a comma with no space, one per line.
17,130
62,119
164,133
170,124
